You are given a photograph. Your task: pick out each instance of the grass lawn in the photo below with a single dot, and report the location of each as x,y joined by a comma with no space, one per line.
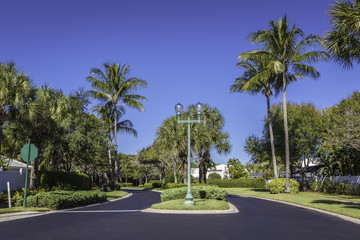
22,209
115,194
328,202
200,204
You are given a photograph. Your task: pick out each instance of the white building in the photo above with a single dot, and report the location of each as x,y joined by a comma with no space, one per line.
220,169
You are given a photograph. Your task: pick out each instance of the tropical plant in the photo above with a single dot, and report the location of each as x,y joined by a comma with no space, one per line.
254,81
113,87
343,40
288,58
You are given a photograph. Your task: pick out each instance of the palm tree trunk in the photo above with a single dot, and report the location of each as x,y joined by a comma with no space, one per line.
110,164
286,130
116,175
271,137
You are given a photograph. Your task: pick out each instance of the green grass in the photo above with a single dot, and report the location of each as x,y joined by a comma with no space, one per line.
327,202
115,194
22,209
200,204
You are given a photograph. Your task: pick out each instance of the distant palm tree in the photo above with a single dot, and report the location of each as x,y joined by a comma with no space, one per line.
287,58
256,79
343,40
112,86
124,126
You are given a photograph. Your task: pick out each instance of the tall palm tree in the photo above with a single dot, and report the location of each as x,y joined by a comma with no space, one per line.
255,80
125,126
15,90
113,86
343,40
288,57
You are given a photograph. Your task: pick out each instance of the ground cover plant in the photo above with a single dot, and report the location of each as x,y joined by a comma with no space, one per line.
345,205
198,192
200,204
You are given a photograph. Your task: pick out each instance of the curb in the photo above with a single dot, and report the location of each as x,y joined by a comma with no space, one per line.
344,217
232,209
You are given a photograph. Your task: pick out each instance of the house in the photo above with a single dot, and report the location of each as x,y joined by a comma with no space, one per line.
220,169
14,173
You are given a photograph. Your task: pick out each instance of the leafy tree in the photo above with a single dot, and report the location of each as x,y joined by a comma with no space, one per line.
343,40
113,87
236,169
288,58
256,79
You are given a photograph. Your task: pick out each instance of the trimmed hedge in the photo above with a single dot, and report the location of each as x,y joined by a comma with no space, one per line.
214,176
198,192
277,186
63,199
239,183
77,181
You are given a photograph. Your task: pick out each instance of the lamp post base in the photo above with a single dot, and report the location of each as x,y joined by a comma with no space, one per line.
189,200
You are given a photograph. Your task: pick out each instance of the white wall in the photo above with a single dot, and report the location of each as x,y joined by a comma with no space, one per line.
16,179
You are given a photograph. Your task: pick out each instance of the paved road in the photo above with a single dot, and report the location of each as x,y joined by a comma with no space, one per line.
257,219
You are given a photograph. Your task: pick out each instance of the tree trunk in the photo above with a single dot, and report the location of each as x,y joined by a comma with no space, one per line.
286,130
202,170
271,137
34,174
175,177
116,180
110,164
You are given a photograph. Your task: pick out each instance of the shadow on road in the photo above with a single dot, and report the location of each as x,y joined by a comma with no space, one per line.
334,202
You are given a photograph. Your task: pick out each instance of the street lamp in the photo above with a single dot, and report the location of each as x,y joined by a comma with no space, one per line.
179,110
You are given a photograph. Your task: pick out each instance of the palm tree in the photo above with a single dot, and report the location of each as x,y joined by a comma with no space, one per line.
112,86
125,126
288,57
253,81
15,90
208,136
343,40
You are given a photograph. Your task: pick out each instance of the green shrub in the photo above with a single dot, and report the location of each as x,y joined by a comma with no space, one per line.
111,187
277,186
198,192
239,183
125,184
214,176
148,185
344,188
314,186
63,199
327,186
171,179
74,181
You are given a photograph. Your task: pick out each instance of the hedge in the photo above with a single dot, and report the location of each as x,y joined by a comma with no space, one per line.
277,186
339,187
198,192
214,176
238,183
64,199
76,181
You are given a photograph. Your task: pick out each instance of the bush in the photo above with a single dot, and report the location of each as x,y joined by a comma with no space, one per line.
63,199
214,176
65,180
148,185
277,186
111,187
198,192
239,183
327,186
171,179
125,184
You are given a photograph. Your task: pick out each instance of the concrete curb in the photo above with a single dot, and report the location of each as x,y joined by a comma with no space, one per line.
346,218
232,209
19,215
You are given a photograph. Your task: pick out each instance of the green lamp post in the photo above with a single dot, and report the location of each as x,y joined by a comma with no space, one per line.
179,110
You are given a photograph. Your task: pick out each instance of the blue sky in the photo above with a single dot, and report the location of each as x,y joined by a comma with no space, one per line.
186,50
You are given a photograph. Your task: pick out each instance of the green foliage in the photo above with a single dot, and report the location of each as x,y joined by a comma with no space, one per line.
214,176
125,184
278,185
339,188
148,185
239,183
111,187
65,180
64,199
171,179
236,169
198,192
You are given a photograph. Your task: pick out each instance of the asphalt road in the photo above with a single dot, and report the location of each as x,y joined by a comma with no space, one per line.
257,219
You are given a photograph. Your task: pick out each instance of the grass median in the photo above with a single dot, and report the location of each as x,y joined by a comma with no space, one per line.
22,209
200,204
115,194
341,204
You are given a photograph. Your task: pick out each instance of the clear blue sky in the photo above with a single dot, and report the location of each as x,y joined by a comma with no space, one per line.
186,50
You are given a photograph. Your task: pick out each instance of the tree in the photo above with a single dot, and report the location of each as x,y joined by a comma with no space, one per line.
288,58
236,169
15,89
113,87
343,40
254,80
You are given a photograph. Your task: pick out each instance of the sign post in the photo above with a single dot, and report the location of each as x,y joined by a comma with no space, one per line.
28,153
